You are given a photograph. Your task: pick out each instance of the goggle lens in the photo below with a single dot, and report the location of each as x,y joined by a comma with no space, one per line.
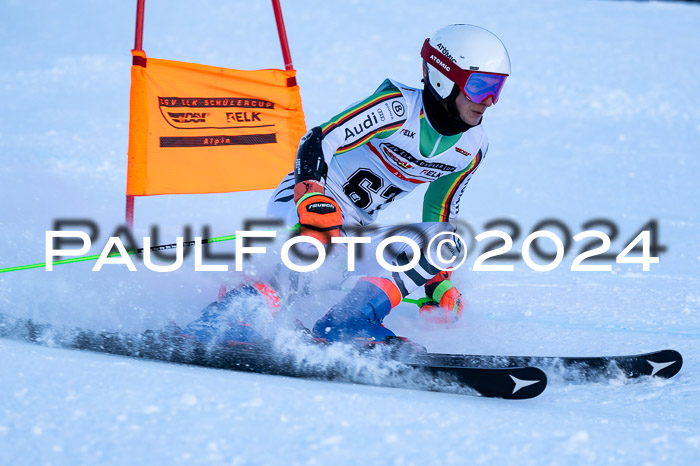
480,86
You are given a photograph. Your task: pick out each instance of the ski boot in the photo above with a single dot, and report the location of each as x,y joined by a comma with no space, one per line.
358,317
232,320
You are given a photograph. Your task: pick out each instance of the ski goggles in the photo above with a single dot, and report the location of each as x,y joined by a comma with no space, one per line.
476,85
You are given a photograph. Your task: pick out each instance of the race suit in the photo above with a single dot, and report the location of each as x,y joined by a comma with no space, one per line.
379,150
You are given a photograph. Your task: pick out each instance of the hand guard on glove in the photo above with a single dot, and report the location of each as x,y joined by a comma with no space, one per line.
319,215
447,302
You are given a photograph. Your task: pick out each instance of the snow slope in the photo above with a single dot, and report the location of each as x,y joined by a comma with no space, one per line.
600,119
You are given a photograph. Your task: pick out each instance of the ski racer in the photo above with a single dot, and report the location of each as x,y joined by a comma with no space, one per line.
379,150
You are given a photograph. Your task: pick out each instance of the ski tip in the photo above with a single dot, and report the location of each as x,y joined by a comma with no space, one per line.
513,383
527,382
664,363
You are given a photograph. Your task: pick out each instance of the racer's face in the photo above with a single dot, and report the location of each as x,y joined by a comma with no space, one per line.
471,112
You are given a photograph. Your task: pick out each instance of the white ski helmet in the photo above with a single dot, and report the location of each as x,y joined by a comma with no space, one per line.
471,48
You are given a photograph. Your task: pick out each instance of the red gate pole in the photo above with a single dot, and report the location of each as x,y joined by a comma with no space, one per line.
138,45
283,35
138,40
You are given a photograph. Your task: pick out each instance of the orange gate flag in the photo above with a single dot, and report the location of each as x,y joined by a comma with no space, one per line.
204,129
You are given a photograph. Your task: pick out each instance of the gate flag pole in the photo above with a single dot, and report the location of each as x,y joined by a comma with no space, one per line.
138,45
283,35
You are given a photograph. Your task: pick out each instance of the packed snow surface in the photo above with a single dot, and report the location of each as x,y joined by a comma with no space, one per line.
600,119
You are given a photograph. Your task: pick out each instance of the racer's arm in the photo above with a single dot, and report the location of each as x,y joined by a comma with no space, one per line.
442,198
441,204
320,215
355,126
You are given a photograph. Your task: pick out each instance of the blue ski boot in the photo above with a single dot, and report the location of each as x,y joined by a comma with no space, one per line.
232,320
358,317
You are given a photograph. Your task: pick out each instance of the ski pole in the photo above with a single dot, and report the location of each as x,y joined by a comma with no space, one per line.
418,302
130,252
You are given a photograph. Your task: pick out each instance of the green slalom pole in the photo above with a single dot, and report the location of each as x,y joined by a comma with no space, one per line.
131,252
419,302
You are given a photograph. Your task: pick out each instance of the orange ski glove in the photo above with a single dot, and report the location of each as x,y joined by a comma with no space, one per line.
319,217
447,302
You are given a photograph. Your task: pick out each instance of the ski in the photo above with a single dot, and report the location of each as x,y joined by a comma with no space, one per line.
367,368
664,364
